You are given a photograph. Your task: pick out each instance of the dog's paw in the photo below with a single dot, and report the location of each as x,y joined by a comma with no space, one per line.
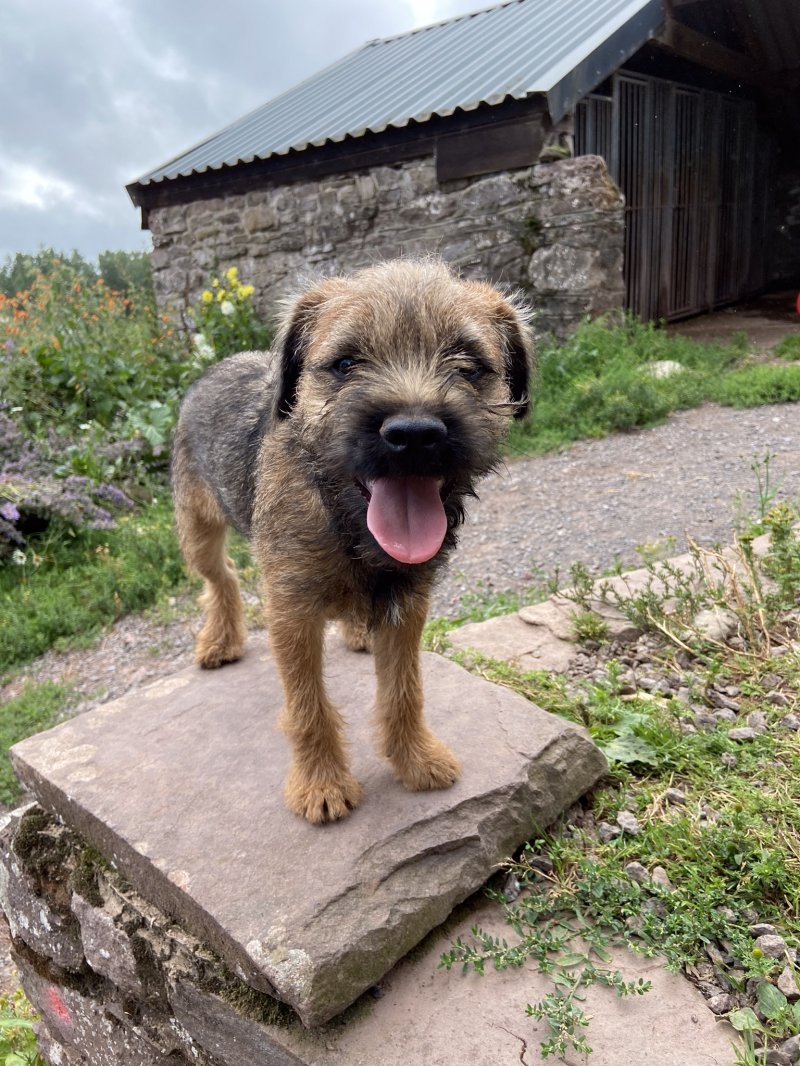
355,635
428,765
212,650
320,801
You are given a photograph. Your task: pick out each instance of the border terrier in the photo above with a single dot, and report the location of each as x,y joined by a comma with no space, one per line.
346,454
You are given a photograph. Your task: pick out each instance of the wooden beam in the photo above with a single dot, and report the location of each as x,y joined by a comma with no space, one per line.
708,53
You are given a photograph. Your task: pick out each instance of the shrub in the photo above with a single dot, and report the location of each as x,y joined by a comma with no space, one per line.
226,318
788,347
33,500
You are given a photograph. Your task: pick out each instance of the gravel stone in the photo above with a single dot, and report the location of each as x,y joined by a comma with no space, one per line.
787,984
637,872
675,797
628,823
661,877
757,720
744,732
761,929
728,759
772,945
721,1004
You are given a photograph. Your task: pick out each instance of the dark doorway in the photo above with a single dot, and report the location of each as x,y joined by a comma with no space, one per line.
694,170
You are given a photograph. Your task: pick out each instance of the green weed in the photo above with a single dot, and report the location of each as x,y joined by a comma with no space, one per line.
17,1038
37,707
788,347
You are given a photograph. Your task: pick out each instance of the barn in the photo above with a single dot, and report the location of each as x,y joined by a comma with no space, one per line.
637,153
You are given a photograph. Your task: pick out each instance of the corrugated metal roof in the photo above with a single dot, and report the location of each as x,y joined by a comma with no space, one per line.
517,49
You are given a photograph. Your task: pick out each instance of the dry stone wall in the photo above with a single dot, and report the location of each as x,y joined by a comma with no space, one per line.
554,230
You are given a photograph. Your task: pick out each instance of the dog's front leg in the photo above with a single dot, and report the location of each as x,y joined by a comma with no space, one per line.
420,760
320,786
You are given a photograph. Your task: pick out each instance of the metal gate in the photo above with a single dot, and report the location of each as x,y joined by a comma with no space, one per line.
693,168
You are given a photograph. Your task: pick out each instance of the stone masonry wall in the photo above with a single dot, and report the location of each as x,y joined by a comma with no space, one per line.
555,230
117,982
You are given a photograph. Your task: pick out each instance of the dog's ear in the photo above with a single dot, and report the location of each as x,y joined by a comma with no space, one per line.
514,326
292,344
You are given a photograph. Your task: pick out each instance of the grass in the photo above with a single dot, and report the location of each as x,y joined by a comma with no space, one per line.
69,590
37,707
603,381
731,850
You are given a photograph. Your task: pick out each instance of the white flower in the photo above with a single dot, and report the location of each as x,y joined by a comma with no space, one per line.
201,346
226,307
18,557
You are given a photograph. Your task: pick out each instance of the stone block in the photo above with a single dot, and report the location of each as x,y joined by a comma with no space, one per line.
179,786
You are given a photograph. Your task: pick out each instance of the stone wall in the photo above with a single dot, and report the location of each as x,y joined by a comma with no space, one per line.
554,230
115,980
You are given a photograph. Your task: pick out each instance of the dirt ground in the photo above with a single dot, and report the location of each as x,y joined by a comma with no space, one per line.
765,320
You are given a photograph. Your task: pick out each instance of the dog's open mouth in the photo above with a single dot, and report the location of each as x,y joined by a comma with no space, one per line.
406,516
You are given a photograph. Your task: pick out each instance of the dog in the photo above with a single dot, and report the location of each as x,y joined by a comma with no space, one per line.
346,454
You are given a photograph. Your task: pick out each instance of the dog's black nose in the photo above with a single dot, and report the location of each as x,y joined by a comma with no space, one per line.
413,432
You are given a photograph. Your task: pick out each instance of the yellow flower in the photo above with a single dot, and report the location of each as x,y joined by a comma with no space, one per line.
207,297
221,295
215,283
232,274
245,291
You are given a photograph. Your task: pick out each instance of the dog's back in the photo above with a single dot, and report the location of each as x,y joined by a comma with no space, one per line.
235,398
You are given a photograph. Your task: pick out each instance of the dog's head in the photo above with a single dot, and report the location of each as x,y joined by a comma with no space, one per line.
400,381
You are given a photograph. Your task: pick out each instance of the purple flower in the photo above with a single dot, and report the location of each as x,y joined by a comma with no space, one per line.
9,512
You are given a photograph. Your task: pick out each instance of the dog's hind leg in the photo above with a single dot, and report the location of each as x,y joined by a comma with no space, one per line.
202,530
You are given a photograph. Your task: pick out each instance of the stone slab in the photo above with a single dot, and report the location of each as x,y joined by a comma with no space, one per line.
180,786
427,1015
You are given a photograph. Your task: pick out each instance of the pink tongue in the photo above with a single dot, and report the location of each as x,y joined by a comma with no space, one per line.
406,517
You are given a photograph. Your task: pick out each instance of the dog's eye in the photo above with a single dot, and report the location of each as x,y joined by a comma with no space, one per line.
343,366
472,372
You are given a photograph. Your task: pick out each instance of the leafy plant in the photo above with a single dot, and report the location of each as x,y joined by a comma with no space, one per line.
226,318
17,1036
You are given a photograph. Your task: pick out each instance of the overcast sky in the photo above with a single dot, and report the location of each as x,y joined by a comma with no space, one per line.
94,93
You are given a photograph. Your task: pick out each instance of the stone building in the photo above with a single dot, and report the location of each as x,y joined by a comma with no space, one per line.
501,141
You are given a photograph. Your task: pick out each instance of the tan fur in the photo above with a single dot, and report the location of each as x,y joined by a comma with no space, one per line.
406,321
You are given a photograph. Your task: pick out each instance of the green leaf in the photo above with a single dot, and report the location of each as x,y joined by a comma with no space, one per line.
771,1001
571,958
744,1020
628,749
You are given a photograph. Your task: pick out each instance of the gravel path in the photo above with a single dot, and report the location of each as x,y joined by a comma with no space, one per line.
593,502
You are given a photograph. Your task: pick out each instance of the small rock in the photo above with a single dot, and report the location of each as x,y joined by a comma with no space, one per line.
542,863
744,732
771,681
761,928
655,906
607,832
705,721
723,701
727,913
777,699
724,715
728,759
637,872
675,796
757,720
715,955
791,721
660,877
778,652
721,1004
683,695
776,1057
772,945
628,823
788,984
635,924
511,887
791,1048
715,624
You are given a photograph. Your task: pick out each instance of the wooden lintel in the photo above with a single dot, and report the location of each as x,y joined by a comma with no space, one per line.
708,53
